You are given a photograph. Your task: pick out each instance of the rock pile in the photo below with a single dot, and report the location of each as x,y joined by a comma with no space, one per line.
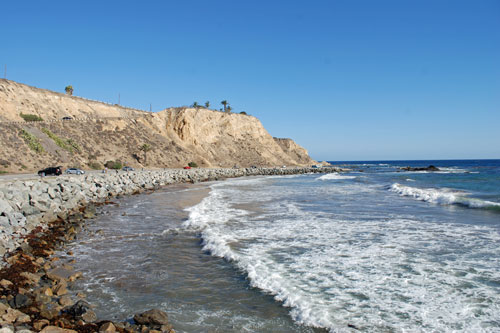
34,289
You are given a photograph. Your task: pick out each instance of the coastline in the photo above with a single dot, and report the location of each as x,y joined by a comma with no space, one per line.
48,212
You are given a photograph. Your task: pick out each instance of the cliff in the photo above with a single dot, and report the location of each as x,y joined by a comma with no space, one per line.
100,132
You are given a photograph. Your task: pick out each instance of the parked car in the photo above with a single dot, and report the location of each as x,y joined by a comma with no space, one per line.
314,167
56,171
67,118
187,167
127,168
74,171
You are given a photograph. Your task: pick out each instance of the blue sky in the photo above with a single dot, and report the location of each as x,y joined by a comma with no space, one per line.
348,80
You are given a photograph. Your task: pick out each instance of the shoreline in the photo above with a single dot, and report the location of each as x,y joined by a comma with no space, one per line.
36,298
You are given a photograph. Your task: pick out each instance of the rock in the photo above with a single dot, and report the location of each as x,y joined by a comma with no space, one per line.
23,319
32,279
49,311
11,315
55,329
5,207
89,316
6,284
65,301
20,301
3,308
39,324
61,273
6,330
154,316
81,309
107,327
61,288
23,330
47,291
429,168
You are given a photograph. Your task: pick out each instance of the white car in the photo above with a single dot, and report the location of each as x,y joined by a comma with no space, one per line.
75,171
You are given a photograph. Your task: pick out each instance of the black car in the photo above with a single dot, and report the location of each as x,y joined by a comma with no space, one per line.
50,171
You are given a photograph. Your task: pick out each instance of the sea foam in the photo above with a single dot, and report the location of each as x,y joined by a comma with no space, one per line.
334,176
378,274
442,196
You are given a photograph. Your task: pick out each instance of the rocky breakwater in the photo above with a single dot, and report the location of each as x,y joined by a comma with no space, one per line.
41,215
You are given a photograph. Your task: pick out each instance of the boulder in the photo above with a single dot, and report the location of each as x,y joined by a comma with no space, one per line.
5,207
81,310
55,329
20,301
107,328
154,316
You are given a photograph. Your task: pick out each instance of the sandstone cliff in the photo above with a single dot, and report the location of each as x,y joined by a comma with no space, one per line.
99,132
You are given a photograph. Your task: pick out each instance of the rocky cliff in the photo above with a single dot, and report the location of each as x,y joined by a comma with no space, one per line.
100,132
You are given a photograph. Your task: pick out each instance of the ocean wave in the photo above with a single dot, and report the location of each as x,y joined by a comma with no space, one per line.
442,196
334,176
327,269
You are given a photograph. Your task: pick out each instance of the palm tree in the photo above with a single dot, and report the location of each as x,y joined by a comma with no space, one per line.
69,90
195,105
207,104
224,102
145,148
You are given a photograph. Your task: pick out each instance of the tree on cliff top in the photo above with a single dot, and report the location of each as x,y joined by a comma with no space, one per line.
207,104
224,102
196,105
69,90
145,148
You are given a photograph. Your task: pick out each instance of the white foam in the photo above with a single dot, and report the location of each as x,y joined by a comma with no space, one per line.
334,176
380,274
442,196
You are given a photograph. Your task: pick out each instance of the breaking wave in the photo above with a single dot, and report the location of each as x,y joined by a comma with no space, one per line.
334,176
442,196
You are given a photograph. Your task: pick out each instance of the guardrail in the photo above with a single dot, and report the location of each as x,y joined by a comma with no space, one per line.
69,120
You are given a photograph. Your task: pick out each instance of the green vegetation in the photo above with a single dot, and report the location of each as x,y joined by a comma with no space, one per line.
145,148
113,165
67,144
95,165
195,105
207,104
243,112
69,90
193,164
32,141
229,108
224,103
30,117
3,171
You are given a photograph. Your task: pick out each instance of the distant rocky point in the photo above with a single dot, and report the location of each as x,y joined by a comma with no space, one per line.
429,168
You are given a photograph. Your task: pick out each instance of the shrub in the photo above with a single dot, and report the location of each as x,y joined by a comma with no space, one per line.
95,165
2,172
193,164
243,112
67,144
69,90
32,141
30,117
113,165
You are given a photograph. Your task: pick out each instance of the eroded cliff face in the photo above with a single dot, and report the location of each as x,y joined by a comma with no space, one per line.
100,132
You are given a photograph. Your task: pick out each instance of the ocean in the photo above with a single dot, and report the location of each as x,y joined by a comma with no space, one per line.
374,249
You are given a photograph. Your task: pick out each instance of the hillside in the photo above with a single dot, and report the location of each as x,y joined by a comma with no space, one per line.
100,132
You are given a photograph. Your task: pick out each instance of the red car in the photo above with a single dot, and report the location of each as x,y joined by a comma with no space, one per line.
187,167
